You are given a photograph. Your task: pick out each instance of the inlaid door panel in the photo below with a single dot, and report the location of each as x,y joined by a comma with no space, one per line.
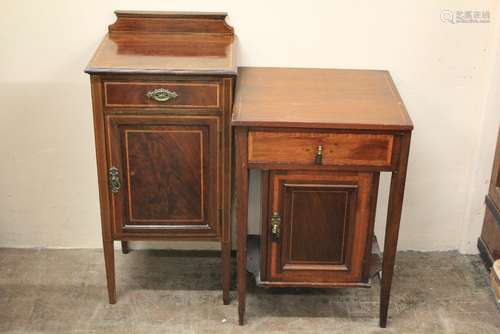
168,171
318,226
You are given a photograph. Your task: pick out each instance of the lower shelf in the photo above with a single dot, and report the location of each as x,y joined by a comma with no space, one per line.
253,266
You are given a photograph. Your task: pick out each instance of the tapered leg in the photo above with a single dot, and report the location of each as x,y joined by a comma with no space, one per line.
226,271
125,248
109,260
104,195
241,182
392,228
227,177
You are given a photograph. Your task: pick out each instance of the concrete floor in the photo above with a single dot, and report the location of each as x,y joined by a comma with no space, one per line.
64,291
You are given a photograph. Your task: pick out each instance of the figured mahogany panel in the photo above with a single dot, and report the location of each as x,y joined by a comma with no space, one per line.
337,148
168,171
325,224
317,223
165,167
188,94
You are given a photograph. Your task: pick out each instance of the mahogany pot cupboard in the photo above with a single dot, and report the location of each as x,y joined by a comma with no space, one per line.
320,139
162,90
162,93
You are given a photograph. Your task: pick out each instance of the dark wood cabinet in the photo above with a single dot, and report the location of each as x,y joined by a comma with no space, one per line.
317,227
320,139
162,92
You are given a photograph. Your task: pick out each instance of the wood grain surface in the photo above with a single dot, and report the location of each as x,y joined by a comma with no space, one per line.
319,98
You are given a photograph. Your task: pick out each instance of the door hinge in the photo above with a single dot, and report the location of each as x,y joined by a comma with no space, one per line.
275,226
114,179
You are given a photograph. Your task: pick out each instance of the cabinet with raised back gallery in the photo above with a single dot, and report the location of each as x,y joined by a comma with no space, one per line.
162,89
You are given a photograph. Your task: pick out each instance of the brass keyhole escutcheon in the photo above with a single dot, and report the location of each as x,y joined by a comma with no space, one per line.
275,226
319,155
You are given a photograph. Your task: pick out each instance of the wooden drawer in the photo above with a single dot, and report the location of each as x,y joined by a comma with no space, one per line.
192,95
337,148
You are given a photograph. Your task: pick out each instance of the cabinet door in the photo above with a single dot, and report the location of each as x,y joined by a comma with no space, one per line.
168,175
318,226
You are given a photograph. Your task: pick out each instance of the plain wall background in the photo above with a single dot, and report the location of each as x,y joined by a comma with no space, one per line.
446,74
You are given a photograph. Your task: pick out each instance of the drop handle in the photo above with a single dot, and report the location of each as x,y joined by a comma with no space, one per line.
318,160
275,226
161,94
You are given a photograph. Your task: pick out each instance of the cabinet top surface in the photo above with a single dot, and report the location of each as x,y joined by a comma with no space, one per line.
166,43
318,98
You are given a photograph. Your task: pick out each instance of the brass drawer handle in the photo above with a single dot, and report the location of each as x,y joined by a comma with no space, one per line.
319,155
161,94
275,226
